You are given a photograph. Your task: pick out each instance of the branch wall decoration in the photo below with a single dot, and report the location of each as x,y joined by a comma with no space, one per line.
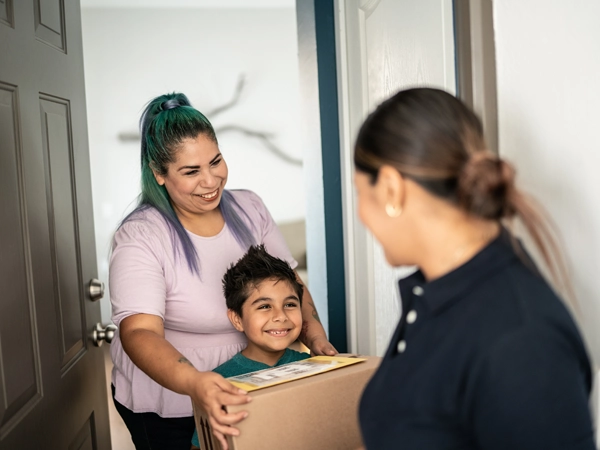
265,138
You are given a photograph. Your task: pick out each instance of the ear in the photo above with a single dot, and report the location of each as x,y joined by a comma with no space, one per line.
235,320
157,176
391,187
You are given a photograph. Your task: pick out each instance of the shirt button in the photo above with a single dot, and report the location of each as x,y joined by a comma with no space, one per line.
401,346
411,317
418,290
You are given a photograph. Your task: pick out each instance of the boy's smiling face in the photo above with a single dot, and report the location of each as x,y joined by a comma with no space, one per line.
271,319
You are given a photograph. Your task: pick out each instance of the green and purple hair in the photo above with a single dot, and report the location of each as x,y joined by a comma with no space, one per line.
166,122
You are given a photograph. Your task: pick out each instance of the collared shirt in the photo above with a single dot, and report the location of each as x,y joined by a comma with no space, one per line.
484,357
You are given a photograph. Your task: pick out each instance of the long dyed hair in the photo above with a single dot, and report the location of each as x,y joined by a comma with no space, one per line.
165,123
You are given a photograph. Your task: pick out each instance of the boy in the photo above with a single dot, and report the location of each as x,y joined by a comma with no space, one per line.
264,302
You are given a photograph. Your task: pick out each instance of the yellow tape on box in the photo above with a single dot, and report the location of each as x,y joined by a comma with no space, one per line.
292,371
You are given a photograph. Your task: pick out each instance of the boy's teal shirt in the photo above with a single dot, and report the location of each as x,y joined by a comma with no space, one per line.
239,365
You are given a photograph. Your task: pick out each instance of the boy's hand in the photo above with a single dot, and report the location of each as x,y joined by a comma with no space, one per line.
212,394
321,346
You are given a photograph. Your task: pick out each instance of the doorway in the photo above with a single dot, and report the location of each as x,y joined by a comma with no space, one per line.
384,46
237,62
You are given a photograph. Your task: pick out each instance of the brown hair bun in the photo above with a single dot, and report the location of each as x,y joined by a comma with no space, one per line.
486,187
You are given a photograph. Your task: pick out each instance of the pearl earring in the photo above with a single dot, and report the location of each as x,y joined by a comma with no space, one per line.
393,211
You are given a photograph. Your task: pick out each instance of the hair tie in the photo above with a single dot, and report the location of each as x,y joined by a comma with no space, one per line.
169,104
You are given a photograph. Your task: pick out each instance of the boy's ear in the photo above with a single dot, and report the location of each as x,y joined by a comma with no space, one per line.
235,320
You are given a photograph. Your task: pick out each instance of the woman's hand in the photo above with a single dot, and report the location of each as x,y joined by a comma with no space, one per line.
144,341
313,334
212,393
321,346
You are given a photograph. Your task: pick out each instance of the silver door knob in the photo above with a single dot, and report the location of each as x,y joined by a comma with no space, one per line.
103,334
96,289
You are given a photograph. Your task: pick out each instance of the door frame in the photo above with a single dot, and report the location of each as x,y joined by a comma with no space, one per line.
476,62
317,47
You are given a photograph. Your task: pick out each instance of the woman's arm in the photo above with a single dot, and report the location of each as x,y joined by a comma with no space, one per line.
313,334
143,339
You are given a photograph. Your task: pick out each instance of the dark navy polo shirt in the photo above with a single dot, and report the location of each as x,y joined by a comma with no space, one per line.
484,357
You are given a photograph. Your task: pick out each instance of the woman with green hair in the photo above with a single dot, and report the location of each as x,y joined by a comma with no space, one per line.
168,258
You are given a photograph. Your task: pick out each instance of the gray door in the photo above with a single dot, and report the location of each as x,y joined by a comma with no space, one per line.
52,382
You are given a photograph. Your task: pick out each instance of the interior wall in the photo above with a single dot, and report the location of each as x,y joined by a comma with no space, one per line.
132,55
548,61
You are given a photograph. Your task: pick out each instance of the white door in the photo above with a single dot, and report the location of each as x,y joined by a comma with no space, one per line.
383,46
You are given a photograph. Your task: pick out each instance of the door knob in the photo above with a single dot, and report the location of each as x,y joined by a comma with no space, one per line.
96,289
103,334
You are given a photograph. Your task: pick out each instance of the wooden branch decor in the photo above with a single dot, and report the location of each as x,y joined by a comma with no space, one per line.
264,137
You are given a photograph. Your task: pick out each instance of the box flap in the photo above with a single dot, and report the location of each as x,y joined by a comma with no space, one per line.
289,372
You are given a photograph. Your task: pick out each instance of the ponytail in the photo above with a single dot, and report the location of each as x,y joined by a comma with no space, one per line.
165,123
486,189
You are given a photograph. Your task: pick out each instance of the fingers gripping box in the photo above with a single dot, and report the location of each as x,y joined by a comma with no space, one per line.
310,404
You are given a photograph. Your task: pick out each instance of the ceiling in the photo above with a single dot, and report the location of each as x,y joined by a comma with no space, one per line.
174,4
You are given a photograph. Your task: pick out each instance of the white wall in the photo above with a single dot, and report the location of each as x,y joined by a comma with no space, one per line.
548,69
132,55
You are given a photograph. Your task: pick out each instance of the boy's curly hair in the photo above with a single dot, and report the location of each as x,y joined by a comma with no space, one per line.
250,271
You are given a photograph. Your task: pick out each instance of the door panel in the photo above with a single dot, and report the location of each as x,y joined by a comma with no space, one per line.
85,438
19,365
49,22
52,378
61,196
6,16
407,44
385,46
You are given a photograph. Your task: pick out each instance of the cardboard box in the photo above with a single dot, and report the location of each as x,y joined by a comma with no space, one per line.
316,412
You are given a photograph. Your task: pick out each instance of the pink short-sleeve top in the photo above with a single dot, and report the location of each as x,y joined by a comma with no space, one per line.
147,276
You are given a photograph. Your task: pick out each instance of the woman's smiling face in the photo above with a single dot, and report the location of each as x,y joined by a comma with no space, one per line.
196,178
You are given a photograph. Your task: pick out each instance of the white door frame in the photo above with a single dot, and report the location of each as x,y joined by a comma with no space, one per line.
358,243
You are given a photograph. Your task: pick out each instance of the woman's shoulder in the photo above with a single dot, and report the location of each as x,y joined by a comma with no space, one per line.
525,314
246,197
250,202
142,222
144,216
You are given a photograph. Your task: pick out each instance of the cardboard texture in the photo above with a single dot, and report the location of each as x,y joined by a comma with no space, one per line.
319,412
